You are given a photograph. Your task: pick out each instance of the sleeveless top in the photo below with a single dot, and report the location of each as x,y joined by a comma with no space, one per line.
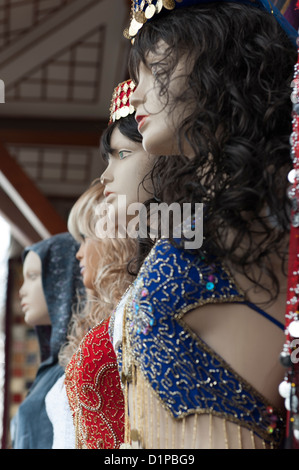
59,413
94,392
186,375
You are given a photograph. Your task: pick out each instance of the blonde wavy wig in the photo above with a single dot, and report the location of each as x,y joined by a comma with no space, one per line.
112,277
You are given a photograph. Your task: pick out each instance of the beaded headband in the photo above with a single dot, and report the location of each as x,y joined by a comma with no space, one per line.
120,103
144,10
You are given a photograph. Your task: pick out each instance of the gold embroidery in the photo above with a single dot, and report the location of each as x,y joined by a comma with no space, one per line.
94,392
194,430
210,430
252,439
239,437
225,434
166,346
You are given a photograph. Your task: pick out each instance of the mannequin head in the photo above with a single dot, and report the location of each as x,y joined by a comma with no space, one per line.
81,225
33,302
104,263
88,255
159,113
128,164
226,48
237,137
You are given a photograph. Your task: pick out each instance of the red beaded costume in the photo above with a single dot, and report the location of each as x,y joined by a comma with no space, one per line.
91,378
94,392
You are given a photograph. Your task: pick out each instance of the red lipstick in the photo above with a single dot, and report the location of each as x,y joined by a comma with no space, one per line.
141,121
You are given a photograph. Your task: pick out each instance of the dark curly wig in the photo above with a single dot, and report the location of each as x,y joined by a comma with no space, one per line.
239,129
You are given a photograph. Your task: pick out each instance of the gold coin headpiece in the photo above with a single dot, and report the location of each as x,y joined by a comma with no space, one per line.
120,103
144,10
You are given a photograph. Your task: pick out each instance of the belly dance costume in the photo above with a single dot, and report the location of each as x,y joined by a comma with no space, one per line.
182,371
94,392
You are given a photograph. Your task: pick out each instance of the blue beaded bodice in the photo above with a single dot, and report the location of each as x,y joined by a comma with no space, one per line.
184,372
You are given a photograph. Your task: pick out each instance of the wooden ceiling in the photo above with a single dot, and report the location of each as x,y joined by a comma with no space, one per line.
60,60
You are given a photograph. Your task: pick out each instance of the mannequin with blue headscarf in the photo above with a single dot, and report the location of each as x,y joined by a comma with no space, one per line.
49,295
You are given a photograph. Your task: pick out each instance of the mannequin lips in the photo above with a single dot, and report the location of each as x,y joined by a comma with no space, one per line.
107,193
24,307
141,120
82,269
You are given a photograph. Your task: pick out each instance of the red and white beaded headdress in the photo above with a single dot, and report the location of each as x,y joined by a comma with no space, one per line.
120,103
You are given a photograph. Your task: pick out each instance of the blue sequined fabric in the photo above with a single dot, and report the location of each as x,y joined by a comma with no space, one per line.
185,373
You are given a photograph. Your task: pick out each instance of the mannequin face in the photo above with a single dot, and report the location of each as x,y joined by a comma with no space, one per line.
128,164
159,117
32,296
89,256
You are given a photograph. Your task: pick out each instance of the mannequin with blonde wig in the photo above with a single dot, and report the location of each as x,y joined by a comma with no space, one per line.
111,279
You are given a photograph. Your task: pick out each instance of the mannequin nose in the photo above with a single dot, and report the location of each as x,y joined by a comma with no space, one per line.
79,254
137,97
106,176
21,292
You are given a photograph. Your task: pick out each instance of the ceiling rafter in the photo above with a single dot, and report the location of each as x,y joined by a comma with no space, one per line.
51,131
27,198
41,46
59,71
21,229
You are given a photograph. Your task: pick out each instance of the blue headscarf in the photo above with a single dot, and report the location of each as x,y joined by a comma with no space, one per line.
63,287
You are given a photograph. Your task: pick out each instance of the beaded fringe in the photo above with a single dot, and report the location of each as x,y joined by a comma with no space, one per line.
144,430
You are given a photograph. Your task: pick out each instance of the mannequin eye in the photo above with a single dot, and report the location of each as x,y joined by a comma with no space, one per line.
158,68
123,154
154,70
33,276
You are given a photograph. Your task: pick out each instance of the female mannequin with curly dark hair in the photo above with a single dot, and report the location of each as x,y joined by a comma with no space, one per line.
213,91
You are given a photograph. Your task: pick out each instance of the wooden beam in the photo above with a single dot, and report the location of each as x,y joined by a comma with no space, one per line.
51,132
27,197
21,229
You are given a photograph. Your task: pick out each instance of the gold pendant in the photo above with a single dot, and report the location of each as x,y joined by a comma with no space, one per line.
126,33
135,435
169,4
159,6
140,17
150,11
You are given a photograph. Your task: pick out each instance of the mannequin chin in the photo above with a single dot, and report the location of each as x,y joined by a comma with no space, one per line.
32,296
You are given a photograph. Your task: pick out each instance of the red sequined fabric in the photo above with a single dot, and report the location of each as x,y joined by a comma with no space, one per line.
94,392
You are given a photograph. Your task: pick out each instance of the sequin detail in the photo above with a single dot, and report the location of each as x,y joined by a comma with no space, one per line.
94,392
189,377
